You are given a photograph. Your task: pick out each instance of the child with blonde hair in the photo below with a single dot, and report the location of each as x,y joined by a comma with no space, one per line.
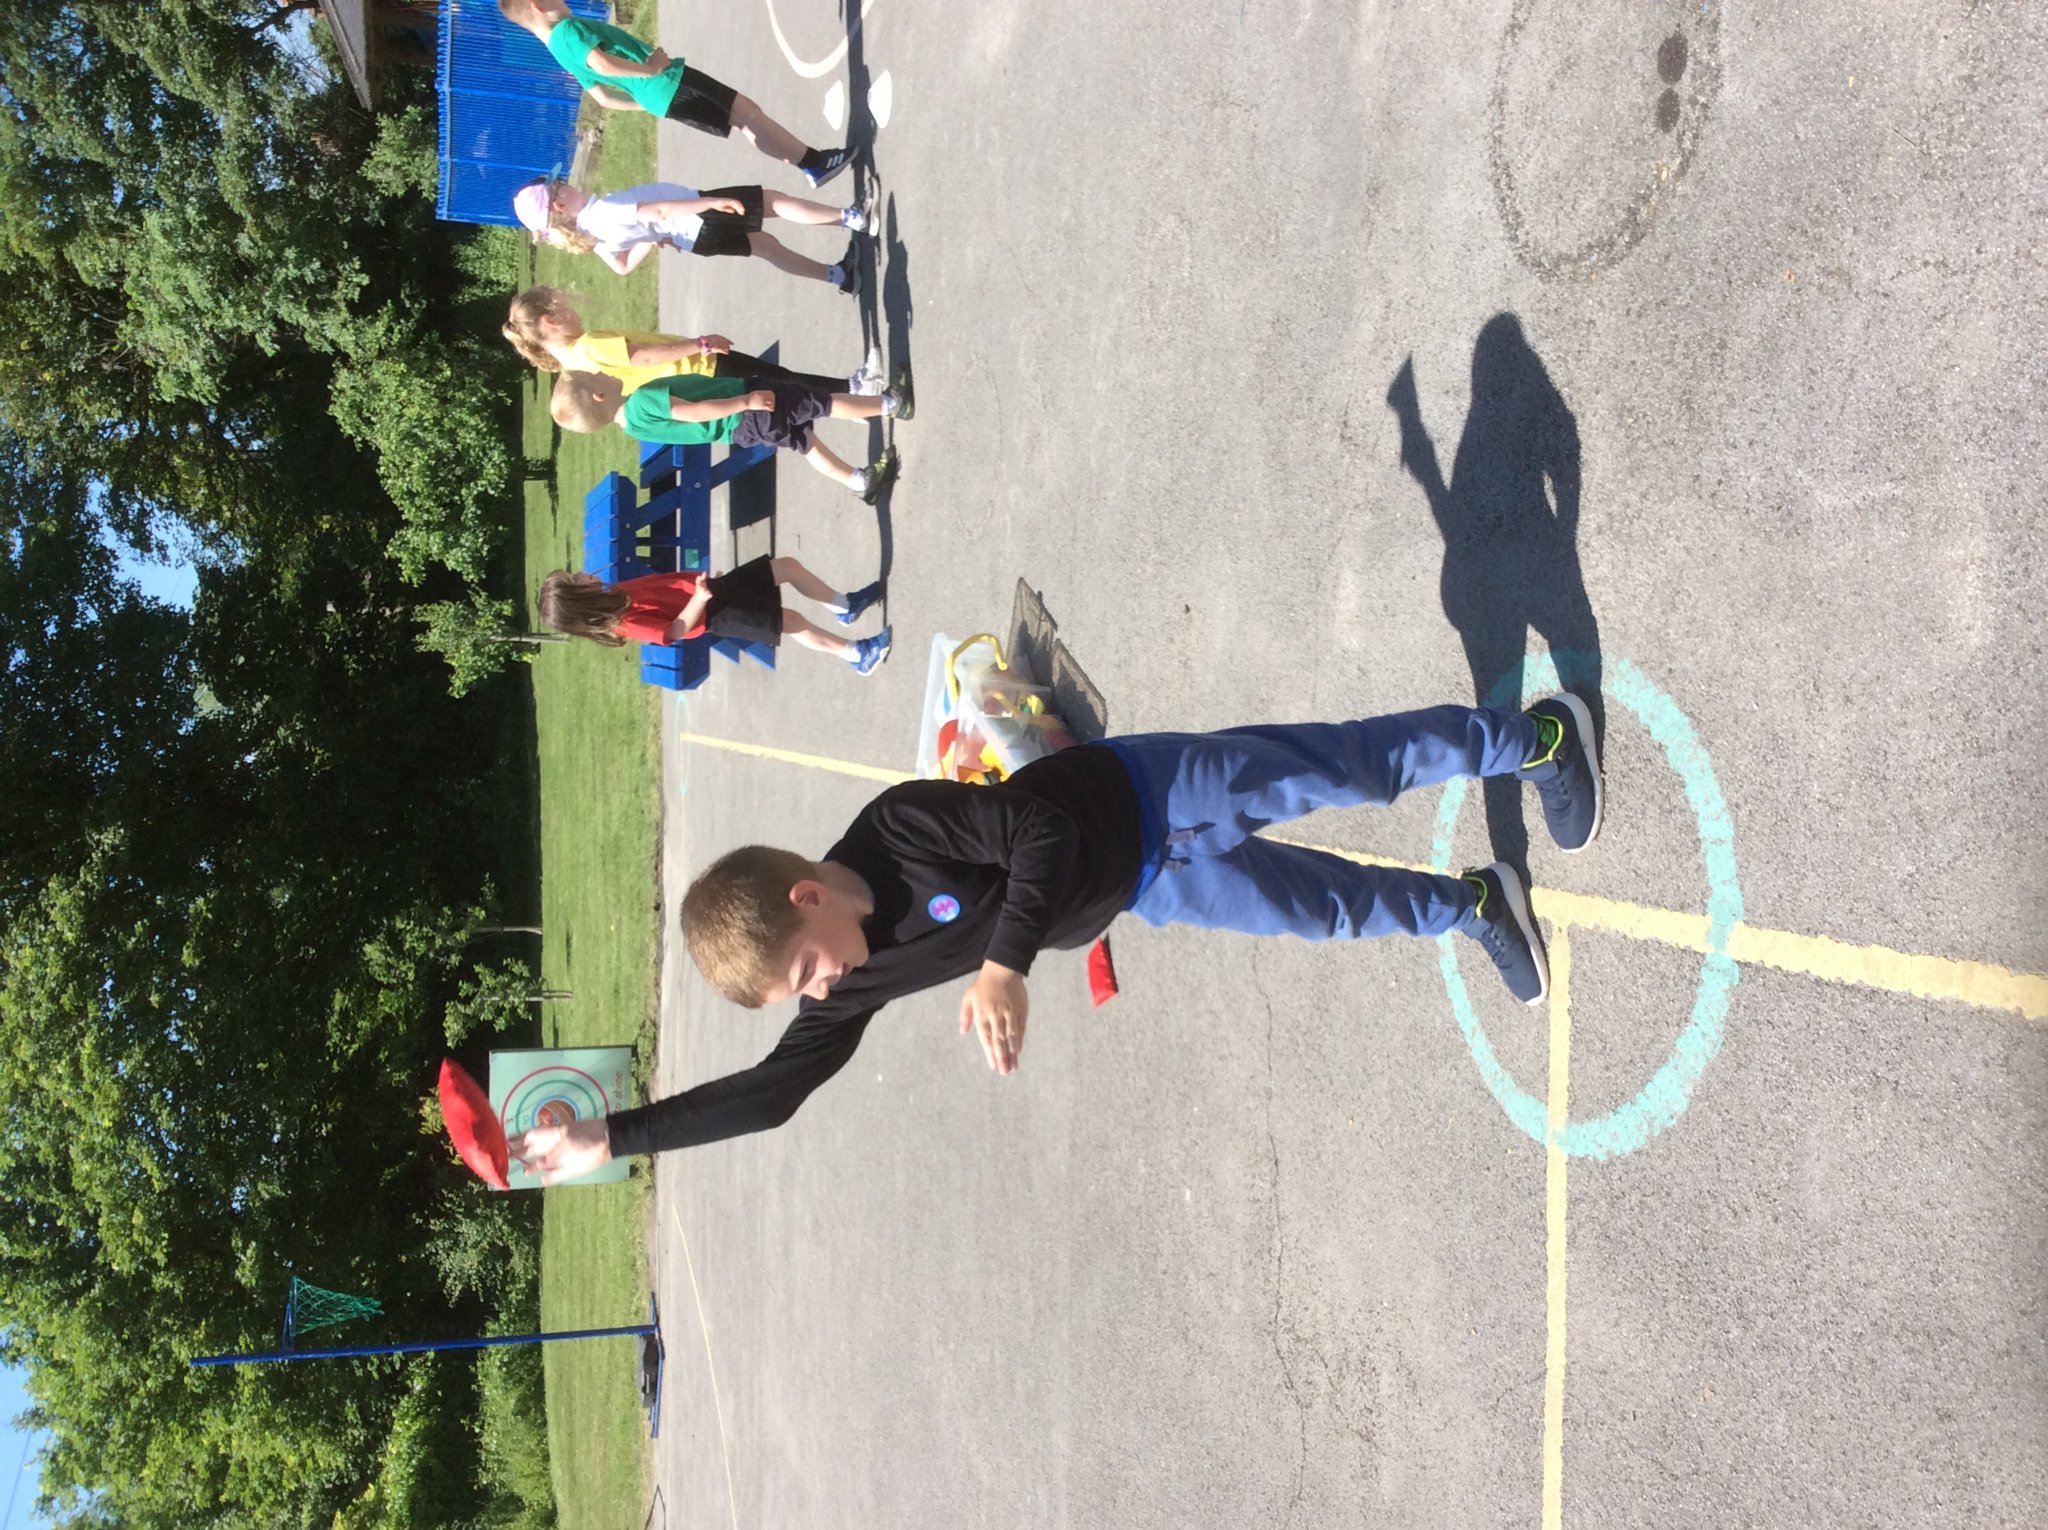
623,227
622,73
545,328
689,410
745,605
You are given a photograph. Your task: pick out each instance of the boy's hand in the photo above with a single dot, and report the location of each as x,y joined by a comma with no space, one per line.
658,60
761,398
557,1153
713,345
995,1008
731,205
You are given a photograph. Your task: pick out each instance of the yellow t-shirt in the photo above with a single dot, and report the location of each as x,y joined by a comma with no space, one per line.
606,350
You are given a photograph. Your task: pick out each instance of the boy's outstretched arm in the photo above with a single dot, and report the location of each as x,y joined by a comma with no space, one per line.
817,1045
610,99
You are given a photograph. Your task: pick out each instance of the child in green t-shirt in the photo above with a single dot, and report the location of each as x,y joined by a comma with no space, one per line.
621,73
692,410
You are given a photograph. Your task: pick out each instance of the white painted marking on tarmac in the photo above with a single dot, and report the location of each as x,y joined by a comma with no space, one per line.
882,98
835,106
816,70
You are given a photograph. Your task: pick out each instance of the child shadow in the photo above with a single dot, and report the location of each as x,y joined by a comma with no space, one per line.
1509,516
894,328
885,281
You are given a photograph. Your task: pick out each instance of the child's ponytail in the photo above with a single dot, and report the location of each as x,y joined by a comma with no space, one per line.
564,232
530,350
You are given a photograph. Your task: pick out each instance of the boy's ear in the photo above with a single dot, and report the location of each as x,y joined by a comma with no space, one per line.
807,894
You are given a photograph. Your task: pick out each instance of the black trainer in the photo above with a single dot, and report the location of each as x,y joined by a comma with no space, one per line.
820,165
1503,925
1565,769
903,402
880,472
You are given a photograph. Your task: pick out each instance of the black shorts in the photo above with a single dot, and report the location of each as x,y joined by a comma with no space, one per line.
726,233
703,103
788,424
745,604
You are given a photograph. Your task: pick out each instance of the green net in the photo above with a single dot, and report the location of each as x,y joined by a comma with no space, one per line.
309,1307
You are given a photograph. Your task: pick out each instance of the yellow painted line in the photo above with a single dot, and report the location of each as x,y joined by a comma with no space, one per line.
1555,1163
732,1498
1983,984
794,757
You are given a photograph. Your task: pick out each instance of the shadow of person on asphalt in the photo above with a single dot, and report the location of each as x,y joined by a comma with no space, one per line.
1509,516
884,263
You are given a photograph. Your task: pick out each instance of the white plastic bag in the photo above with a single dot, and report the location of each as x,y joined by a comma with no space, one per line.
985,718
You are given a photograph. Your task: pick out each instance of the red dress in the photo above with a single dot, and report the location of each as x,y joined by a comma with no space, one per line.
658,599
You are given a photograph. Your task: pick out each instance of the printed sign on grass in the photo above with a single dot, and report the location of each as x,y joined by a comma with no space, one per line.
552,1086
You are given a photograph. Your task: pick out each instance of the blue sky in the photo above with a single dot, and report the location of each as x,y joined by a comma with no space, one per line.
19,1513
172,582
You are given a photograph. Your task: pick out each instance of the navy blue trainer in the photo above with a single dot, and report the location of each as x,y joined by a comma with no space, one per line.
1503,925
858,601
1565,770
870,651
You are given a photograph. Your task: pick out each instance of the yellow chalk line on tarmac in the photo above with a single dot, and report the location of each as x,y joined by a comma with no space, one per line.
1555,1166
704,1327
1983,984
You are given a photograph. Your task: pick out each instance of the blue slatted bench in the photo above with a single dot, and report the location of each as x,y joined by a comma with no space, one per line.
674,524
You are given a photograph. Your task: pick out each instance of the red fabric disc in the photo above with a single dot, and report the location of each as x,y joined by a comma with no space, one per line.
473,1126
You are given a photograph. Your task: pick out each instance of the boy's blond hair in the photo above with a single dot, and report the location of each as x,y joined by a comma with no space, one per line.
578,402
738,920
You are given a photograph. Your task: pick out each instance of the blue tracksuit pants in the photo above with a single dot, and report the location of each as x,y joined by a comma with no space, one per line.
1203,797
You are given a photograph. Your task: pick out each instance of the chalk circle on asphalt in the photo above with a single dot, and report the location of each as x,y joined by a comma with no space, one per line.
1663,1099
1593,123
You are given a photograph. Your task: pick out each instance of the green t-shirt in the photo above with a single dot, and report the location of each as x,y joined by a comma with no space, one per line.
647,416
571,40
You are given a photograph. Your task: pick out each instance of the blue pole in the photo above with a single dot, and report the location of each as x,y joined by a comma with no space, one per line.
638,1329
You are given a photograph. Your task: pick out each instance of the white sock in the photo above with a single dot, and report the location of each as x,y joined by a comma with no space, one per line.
842,600
835,274
859,484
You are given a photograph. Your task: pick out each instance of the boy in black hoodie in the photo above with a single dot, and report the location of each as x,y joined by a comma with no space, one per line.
935,881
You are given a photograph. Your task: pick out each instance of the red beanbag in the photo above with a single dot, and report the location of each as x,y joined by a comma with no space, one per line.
473,1126
1101,973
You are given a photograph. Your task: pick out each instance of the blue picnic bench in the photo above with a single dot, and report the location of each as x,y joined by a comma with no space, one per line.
668,531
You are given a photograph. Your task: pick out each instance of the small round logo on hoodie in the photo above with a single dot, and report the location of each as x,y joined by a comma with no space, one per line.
944,907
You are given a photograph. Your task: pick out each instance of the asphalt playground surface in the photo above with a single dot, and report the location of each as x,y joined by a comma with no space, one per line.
1313,360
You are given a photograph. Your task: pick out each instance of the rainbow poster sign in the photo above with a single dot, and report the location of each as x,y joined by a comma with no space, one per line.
552,1086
